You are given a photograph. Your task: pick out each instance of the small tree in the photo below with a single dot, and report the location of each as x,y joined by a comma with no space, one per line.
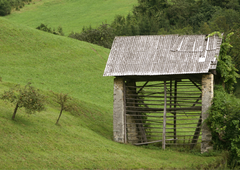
62,100
27,97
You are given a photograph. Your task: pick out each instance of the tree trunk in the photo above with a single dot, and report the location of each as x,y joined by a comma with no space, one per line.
59,115
15,112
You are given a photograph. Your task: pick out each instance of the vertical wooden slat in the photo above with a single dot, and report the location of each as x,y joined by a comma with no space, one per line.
175,117
164,116
125,119
171,94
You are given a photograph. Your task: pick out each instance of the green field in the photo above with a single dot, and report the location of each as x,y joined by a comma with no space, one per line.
72,15
59,64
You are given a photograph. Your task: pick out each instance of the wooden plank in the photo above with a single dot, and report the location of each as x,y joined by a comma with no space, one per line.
125,118
195,85
179,143
196,133
139,109
164,116
175,106
152,142
142,87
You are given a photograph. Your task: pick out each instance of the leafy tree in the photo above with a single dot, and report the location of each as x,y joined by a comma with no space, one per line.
205,29
125,26
27,97
227,73
103,35
5,7
221,3
150,7
235,42
63,101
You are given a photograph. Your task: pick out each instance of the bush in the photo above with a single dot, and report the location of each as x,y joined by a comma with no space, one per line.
224,122
45,28
103,35
5,7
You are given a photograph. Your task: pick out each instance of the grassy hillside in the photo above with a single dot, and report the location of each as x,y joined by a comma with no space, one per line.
54,63
72,15
85,141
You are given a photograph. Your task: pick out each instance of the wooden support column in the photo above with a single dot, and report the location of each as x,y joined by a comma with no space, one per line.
164,116
119,111
175,116
207,95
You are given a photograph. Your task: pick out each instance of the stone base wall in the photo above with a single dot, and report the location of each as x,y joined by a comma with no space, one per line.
118,111
207,96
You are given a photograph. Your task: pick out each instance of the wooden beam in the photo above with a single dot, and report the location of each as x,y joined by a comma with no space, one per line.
175,106
164,116
142,87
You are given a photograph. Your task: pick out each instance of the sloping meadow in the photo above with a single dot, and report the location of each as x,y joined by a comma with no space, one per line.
81,141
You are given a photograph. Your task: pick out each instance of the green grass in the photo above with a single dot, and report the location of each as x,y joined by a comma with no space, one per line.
72,15
84,141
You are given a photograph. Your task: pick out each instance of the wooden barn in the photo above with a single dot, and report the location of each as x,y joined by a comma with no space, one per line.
163,88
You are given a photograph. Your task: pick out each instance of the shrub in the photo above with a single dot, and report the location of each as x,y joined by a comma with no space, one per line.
45,28
5,7
27,97
224,122
103,35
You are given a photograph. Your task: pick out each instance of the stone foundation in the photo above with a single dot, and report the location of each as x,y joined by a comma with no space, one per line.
207,96
118,111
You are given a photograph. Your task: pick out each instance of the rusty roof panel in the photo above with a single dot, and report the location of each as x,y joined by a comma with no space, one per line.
162,55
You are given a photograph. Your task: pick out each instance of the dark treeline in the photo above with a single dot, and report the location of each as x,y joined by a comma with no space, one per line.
7,5
156,17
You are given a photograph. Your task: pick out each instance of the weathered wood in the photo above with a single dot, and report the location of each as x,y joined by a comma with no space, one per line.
196,85
164,116
180,143
152,142
175,106
196,133
138,109
142,87
125,118
182,104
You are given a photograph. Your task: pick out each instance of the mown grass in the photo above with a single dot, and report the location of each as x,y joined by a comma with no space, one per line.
72,15
35,142
83,141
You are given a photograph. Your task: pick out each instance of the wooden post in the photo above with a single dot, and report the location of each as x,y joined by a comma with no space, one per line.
125,117
175,116
164,117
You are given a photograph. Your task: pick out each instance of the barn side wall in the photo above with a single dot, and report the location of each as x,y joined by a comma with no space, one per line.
207,96
118,111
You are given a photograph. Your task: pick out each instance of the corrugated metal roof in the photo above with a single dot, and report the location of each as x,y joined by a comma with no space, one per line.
162,55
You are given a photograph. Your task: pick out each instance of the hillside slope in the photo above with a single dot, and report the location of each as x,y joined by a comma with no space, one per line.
65,65
54,63
72,15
